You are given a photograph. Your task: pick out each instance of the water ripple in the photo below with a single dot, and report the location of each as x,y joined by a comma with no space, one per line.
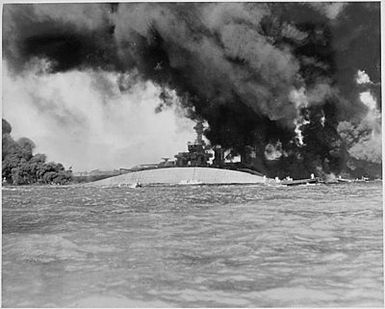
201,246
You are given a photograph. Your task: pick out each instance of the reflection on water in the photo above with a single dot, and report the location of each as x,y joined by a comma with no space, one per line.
200,246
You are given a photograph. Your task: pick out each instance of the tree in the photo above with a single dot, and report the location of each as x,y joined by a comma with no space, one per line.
6,127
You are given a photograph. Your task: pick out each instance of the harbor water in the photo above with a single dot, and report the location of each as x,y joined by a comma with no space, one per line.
193,246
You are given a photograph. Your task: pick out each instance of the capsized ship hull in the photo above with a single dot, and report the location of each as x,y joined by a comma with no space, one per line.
183,175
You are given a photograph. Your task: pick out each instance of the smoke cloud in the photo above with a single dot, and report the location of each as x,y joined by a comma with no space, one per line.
20,166
83,120
364,139
258,73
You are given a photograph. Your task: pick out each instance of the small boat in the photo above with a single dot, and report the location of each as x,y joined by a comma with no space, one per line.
299,182
136,185
190,182
362,179
339,179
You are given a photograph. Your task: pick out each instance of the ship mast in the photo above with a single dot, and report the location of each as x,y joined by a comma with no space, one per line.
199,131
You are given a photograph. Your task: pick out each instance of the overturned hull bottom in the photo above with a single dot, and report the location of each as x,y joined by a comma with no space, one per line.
183,176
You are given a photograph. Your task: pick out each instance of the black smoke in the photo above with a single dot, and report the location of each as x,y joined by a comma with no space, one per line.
260,74
21,167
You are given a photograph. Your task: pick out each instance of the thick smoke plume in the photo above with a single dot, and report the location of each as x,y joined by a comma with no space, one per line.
260,74
21,167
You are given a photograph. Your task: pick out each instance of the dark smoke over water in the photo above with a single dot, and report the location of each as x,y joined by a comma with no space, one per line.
260,74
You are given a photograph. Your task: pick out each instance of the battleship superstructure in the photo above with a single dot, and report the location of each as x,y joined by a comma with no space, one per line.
201,164
198,154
